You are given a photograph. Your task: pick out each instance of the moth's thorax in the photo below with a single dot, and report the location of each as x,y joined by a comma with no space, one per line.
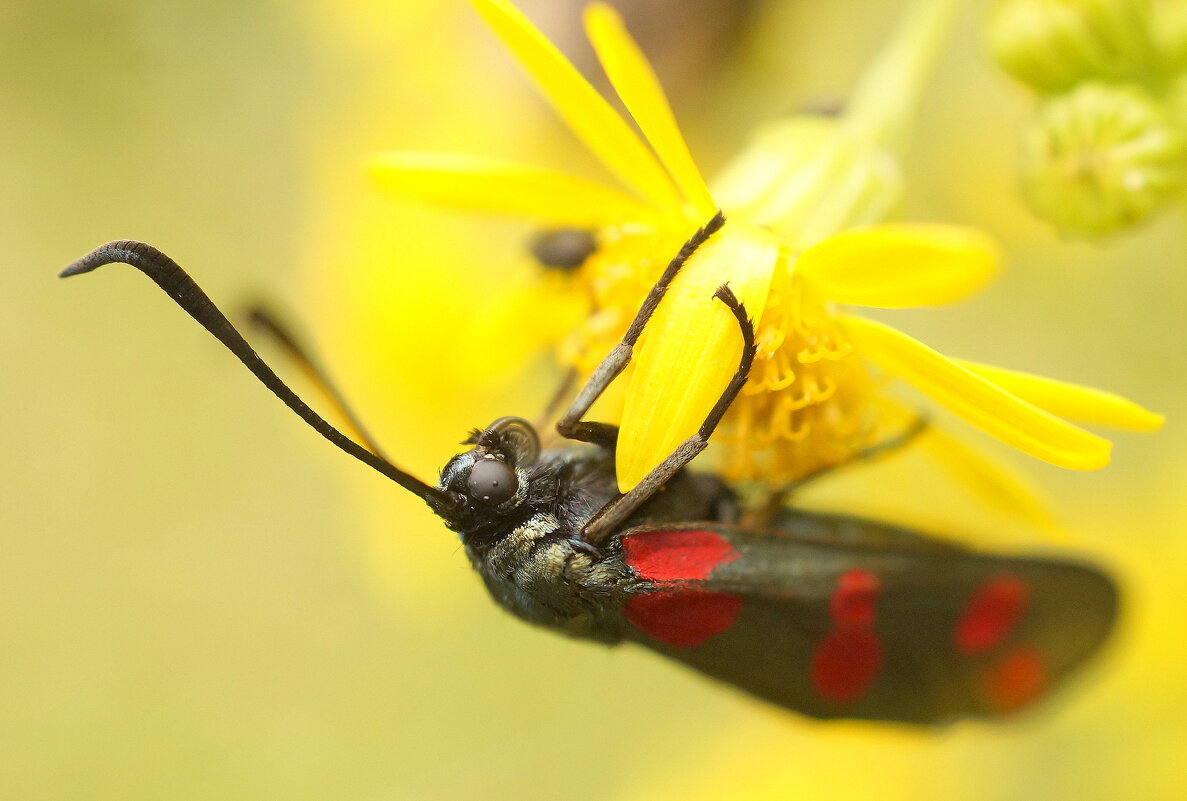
544,573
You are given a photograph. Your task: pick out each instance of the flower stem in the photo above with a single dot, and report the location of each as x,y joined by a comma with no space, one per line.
884,103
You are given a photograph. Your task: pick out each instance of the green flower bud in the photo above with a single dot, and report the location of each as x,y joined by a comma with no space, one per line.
1102,158
1052,45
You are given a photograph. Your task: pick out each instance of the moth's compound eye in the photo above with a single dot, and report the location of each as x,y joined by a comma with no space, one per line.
491,481
564,248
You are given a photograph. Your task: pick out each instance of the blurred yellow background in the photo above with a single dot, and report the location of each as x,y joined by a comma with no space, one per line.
200,599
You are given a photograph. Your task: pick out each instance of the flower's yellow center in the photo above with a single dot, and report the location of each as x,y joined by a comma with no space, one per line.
616,278
808,403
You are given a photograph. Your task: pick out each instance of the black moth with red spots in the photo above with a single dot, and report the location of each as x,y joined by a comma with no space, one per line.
830,616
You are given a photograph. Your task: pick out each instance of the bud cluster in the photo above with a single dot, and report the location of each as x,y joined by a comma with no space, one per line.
1107,146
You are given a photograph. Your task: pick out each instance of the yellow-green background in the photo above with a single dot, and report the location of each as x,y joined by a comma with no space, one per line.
201,600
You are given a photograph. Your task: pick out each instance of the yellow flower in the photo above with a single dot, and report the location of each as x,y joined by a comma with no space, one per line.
806,235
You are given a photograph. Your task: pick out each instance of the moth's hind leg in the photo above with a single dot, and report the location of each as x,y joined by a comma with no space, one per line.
776,499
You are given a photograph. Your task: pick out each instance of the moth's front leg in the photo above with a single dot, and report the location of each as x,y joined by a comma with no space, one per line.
615,512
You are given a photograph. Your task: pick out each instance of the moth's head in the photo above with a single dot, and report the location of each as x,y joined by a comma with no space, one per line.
489,482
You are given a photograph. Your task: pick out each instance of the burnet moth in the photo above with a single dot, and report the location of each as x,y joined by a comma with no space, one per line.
830,616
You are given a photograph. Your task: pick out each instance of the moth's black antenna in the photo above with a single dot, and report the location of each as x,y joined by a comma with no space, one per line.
268,322
169,276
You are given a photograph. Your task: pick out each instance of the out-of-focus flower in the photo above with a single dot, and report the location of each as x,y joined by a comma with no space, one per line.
1102,157
1106,149
806,234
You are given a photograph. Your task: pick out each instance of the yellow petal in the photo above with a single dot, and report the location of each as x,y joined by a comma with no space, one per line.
691,347
587,113
992,481
898,265
503,187
554,308
1070,400
982,403
641,93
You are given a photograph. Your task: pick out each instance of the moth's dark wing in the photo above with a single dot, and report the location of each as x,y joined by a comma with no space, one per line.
836,617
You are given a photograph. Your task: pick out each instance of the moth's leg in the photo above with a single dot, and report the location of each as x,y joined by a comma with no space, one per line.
570,425
558,397
611,516
891,444
266,321
776,499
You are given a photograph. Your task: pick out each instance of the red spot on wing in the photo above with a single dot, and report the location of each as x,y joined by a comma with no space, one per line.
991,615
680,614
1017,679
676,555
852,603
685,618
846,662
